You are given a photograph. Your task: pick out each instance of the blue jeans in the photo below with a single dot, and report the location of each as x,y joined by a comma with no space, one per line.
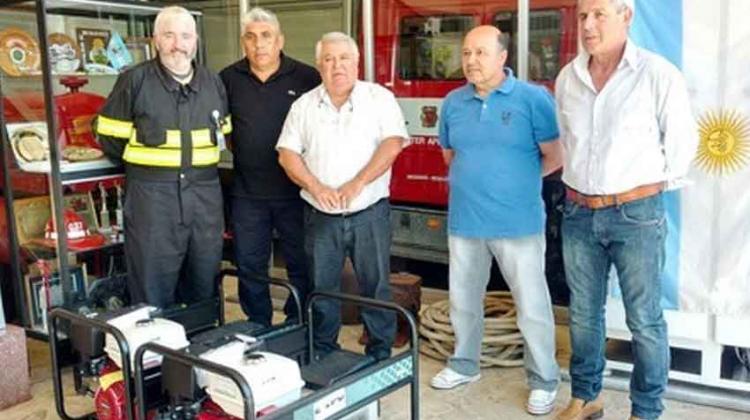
521,261
630,236
253,223
364,237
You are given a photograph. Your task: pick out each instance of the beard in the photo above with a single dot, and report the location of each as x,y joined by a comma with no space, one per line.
177,60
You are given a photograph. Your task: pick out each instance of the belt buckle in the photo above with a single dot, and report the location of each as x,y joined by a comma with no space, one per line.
595,202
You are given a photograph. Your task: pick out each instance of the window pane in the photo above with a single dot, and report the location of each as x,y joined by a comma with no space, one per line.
544,42
430,47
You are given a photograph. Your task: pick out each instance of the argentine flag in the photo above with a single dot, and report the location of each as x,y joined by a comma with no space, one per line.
708,244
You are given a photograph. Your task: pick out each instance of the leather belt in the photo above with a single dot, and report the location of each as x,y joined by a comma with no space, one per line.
602,201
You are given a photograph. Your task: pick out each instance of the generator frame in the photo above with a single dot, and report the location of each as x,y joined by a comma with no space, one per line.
57,314
400,370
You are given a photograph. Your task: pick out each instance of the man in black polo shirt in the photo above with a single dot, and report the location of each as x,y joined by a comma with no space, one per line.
261,87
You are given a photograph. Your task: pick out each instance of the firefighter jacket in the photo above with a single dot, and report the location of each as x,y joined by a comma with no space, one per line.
160,127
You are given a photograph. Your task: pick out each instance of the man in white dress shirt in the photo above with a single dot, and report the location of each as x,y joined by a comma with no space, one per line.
628,135
338,144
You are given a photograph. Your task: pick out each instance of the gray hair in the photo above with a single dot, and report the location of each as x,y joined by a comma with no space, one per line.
259,14
169,12
621,5
335,37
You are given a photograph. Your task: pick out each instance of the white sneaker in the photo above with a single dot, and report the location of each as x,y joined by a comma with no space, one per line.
541,401
449,378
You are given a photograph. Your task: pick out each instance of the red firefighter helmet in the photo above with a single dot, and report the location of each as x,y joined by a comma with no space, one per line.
76,231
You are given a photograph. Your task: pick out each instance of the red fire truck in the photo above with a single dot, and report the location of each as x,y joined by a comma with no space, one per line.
417,54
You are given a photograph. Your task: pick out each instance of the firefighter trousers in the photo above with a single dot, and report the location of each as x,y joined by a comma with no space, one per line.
173,240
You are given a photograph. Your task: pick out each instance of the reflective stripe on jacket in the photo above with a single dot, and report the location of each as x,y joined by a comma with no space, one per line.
151,120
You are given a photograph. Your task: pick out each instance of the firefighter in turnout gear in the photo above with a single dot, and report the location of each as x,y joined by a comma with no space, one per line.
166,120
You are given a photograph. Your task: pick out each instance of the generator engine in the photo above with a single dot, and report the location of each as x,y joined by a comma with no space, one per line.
109,399
268,357
100,370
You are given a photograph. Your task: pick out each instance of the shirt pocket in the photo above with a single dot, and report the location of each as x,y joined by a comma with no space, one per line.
637,117
638,125
149,133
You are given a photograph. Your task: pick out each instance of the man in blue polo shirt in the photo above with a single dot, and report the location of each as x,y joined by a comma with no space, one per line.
499,137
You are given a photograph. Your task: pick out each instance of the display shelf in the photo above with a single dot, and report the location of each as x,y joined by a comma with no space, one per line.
38,75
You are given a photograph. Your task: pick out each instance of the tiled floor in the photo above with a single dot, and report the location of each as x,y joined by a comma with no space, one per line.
500,394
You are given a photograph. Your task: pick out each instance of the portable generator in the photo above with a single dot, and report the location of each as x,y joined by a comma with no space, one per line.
259,353
234,372
101,342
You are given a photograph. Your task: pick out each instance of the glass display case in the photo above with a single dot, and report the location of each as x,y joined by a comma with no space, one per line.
59,59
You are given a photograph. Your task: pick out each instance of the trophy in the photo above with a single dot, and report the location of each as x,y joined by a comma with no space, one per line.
118,209
104,211
45,291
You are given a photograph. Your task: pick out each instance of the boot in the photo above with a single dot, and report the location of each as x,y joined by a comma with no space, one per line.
579,409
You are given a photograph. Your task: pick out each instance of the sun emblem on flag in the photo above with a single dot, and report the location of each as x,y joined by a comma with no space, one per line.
724,142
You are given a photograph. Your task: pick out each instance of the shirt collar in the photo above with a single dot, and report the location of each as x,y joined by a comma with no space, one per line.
630,58
506,87
287,66
351,101
173,85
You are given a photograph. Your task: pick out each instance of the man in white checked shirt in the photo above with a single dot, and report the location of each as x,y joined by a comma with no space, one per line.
628,135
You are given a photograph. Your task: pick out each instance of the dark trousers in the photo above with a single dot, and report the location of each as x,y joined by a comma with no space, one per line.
253,222
364,237
173,240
